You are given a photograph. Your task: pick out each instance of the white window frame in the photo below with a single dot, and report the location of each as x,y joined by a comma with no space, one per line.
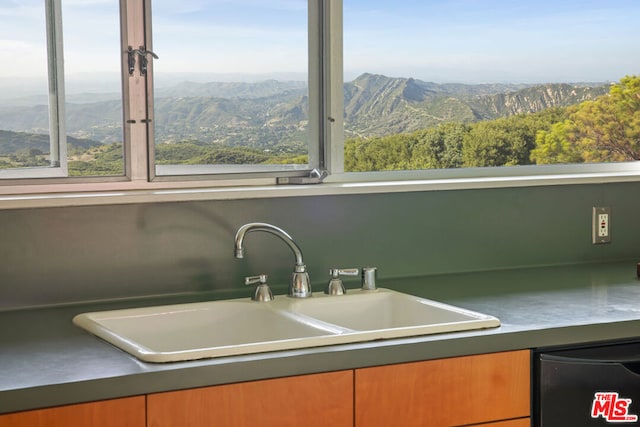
318,134
140,183
55,73
468,178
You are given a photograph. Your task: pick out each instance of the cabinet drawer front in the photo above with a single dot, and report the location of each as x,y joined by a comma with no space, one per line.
445,392
307,400
128,412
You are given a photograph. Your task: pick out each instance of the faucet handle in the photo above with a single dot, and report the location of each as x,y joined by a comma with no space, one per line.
262,292
335,285
336,272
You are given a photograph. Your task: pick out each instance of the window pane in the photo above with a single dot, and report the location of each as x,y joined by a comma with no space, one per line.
24,111
231,92
93,105
450,84
93,87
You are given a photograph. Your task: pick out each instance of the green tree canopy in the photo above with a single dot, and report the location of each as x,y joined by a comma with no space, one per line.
606,129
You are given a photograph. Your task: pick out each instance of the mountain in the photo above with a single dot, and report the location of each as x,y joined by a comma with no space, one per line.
534,99
100,121
273,114
233,90
379,105
16,142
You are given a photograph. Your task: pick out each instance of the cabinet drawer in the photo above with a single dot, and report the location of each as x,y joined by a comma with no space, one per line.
307,400
445,392
127,412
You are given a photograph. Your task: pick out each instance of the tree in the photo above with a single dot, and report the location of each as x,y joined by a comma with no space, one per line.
377,154
439,147
501,142
606,129
553,146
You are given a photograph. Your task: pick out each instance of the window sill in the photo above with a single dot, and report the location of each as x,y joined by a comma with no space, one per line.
65,195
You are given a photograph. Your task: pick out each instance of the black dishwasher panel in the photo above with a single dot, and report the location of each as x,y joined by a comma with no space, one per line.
595,386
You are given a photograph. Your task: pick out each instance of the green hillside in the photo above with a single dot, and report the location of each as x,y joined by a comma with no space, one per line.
604,129
390,123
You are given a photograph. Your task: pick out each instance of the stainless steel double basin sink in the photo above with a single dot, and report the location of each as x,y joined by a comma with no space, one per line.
181,332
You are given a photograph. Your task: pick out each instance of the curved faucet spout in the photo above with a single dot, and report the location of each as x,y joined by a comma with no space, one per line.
277,231
300,286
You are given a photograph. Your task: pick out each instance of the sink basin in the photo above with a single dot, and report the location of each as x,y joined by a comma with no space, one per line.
209,329
391,314
231,327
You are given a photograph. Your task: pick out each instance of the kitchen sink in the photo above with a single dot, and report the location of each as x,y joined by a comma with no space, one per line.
232,327
199,330
390,314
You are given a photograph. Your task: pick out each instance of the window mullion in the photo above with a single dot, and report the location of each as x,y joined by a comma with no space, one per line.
149,94
326,106
332,119
326,114
134,93
316,60
57,128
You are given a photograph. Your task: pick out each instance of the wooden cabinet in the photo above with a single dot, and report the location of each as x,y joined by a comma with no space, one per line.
446,392
490,390
308,400
126,412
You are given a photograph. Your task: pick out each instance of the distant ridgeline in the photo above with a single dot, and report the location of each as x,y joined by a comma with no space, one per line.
390,123
553,123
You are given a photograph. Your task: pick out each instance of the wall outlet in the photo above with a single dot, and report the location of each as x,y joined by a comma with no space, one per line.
601,226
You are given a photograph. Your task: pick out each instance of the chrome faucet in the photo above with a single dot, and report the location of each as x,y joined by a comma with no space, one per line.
300,286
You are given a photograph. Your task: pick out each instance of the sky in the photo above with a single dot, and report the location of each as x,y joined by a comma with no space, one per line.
468,41
486,41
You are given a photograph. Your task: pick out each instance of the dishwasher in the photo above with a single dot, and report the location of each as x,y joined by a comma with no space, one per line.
587,386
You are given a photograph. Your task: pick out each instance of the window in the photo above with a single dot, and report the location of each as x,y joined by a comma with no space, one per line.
468,84
231,94
60,96
159,90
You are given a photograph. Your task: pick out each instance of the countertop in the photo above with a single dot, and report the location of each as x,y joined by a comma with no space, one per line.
46,361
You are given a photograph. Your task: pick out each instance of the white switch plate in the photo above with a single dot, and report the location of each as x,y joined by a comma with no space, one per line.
601,226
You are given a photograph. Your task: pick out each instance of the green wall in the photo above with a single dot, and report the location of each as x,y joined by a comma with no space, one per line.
62,255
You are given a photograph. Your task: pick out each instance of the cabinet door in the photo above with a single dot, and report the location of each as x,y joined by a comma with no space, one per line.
309,400
128,412
445,392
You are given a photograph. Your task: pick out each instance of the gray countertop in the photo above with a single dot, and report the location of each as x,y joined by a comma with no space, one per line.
46,361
